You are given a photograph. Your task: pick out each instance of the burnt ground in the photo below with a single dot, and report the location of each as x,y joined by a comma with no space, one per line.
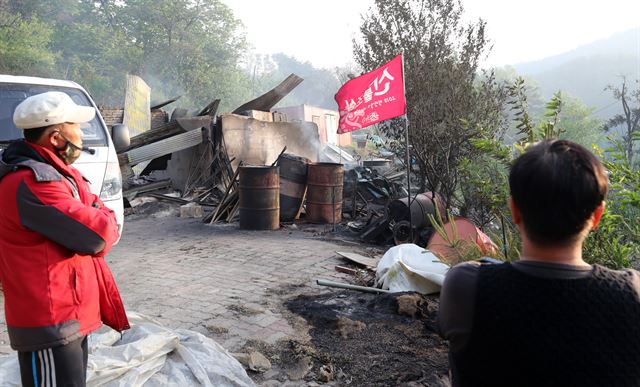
323,336
360,339
344,338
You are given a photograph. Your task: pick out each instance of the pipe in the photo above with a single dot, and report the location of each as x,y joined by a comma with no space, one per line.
278,158
366,289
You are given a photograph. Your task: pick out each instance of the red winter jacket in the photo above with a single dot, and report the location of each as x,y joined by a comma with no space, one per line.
53,235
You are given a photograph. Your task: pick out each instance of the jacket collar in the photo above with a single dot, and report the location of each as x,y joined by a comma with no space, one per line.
44,163
19,151
51,159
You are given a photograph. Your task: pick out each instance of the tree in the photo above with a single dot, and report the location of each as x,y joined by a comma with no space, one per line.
346,72
319,84
95,53
579,122
616,241
446,103
630,119
24,45
185,47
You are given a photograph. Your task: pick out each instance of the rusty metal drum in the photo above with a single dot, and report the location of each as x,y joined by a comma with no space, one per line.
324,192
421,207
259,202
293,185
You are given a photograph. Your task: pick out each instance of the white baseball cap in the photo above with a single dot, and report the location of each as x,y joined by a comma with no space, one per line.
50,108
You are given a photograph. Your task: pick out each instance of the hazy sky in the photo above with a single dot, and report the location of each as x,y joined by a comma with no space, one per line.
321,31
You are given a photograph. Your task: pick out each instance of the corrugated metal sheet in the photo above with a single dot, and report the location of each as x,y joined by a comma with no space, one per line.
164,147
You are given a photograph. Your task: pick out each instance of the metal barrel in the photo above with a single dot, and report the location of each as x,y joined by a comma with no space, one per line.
420,208
379,165
324,192
259,198
293,185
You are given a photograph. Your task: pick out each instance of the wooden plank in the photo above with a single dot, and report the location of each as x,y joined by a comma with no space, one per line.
123,159
224,201
370,263
233,211
230,201
130,193
346,270
227,209
168,198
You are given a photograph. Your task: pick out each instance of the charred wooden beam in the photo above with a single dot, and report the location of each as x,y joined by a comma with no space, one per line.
268,100
165,103
136,190
211,109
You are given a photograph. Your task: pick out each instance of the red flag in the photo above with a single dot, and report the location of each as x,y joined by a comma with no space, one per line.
373,97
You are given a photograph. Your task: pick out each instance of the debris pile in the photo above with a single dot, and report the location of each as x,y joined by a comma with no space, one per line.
367,187
192,158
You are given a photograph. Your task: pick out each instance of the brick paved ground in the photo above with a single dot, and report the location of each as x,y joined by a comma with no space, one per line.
218,280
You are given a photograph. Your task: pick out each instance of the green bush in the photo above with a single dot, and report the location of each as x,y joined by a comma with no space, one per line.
616,241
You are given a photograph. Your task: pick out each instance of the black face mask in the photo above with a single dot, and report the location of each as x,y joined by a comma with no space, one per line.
69,152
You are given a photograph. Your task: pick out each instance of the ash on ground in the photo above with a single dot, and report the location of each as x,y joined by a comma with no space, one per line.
361,339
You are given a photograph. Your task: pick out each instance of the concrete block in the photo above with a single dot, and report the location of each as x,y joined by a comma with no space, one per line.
191,210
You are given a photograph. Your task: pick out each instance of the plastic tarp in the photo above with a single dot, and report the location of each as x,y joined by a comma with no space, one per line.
150,355
334,154
409,267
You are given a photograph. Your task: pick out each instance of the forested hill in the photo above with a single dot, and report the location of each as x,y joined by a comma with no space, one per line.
587,70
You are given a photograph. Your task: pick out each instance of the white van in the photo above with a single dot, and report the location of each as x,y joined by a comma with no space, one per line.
100,166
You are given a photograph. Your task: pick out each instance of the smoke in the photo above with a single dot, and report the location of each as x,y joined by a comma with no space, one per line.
260,142
162,90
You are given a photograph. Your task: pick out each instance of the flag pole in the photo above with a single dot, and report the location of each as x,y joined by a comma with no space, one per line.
406,136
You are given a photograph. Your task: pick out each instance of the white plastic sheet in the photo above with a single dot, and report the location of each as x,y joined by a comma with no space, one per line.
409,267
150,355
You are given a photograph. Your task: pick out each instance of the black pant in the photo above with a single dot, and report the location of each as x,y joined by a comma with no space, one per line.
55,367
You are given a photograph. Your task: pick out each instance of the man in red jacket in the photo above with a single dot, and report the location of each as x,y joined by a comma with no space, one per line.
54,234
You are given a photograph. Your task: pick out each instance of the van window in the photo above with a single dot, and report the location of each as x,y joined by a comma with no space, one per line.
12,94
